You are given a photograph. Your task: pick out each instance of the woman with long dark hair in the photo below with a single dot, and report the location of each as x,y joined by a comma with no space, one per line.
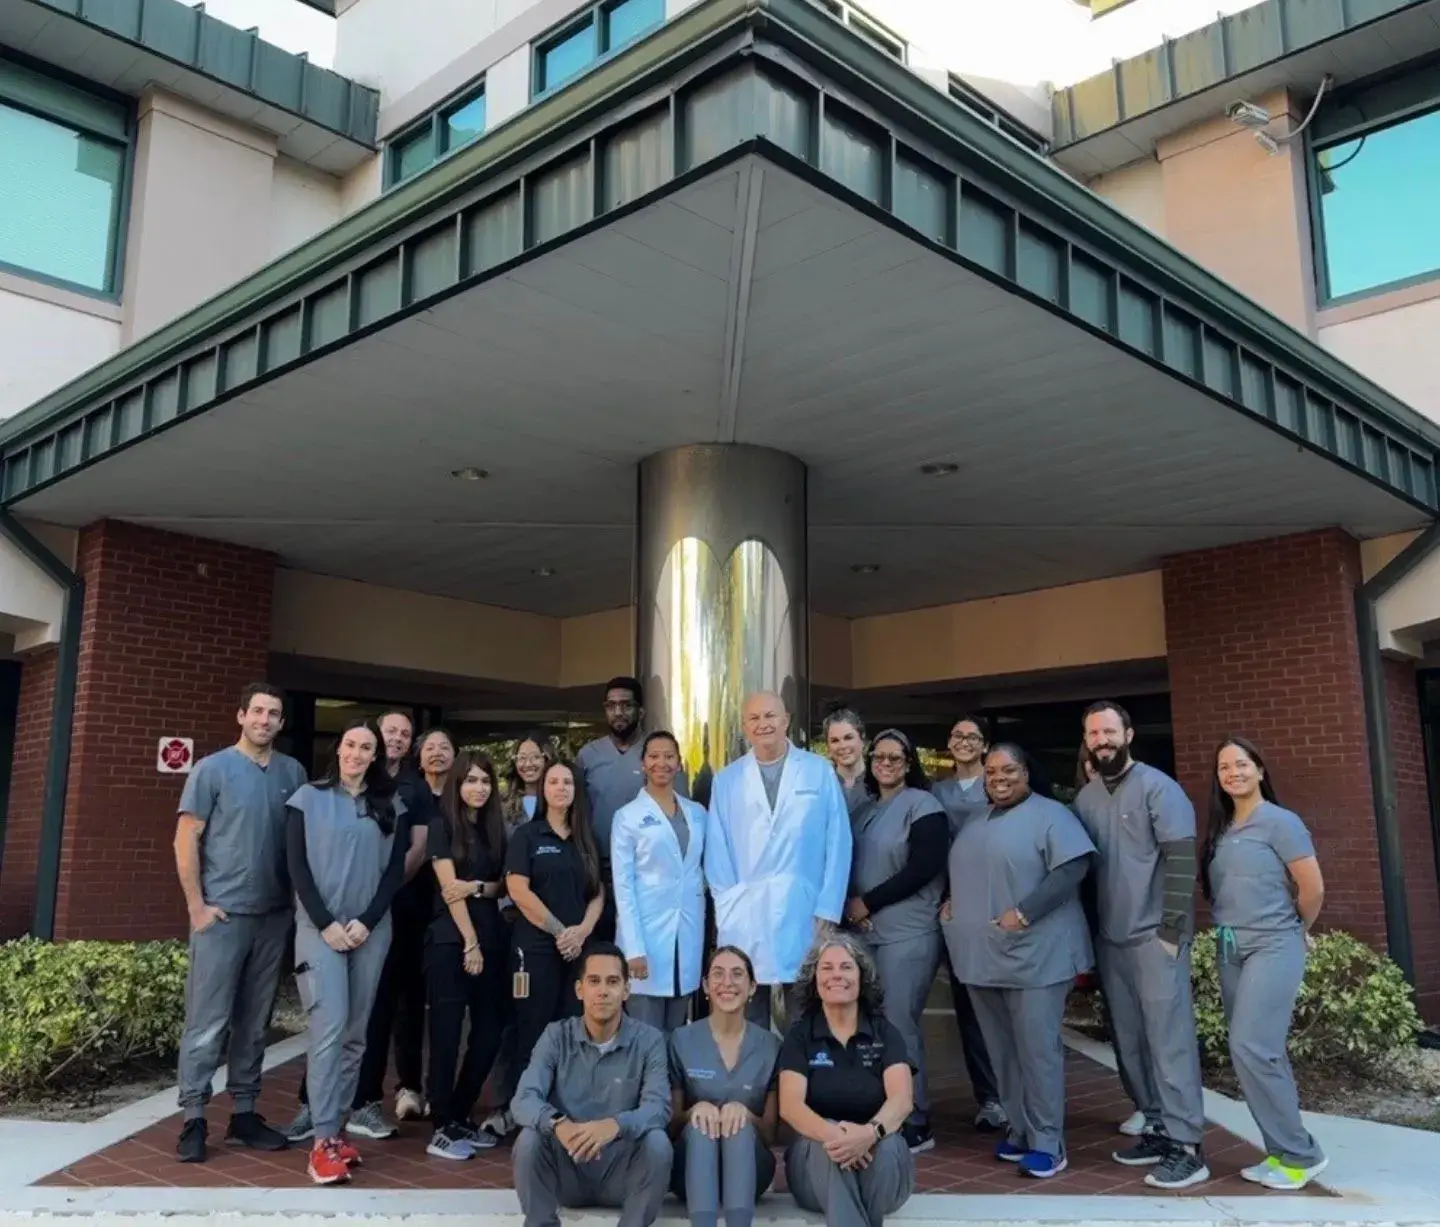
844,733
1263,881
466,953
345,865
897,880
552,870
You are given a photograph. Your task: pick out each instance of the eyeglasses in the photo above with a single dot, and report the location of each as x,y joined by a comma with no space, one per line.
891,760
528,762
970,739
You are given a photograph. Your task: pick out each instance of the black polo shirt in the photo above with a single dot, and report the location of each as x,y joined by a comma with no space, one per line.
557,877
844,1082
478,864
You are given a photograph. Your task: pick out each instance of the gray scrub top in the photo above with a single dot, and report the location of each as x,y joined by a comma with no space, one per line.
697,1071
881,831
855,794
612,780
346,849
995,862
1248,876
770,774
961,803
242,848
1128,827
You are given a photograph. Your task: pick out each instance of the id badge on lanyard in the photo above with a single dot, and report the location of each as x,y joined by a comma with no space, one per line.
520,981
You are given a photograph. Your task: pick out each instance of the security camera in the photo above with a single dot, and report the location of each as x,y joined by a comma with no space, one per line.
1247,114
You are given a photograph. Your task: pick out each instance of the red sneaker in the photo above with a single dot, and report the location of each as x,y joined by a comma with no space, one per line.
327,1165
348,1152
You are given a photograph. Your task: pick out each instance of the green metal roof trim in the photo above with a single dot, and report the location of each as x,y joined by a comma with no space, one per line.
727,78
240,59
1210,56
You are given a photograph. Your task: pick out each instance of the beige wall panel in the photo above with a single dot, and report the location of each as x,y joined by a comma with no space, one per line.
596,647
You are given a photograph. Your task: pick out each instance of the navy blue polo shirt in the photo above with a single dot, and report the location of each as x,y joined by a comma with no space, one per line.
844,1082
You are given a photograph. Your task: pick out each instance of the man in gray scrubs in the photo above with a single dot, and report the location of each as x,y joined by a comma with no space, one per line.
1143,827
230,856
593,1106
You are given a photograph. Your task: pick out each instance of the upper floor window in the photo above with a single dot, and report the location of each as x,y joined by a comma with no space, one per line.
450,126
868,28
64,154
581,42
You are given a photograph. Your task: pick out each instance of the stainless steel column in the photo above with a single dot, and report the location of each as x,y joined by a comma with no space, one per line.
722,600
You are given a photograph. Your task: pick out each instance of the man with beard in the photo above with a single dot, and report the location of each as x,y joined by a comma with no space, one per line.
614,777
1143,826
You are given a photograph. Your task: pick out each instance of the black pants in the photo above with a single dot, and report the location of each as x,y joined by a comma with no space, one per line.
552,997
399,1013
453,994
972,1039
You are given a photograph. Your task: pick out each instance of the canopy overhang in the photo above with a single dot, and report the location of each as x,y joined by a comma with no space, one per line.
752,227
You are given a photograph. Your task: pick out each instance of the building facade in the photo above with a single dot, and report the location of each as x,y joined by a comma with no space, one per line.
914,355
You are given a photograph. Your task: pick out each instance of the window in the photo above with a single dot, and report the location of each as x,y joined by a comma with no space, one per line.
972,100
582,43
868,28
449,127
63,161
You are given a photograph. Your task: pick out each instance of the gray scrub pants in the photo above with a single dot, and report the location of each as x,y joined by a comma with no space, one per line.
760,1011
851,1199
1022,1034
230,991
1148,995
1260,974
337,990
907,970
630,1174
666,1014
728,1174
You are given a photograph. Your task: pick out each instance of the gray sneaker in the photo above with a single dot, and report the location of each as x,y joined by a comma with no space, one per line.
1181,1168
371,1122
1148,1150
991,1118
302,1128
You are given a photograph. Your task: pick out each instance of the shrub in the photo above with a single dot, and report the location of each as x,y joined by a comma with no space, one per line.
73,1012
1354,1008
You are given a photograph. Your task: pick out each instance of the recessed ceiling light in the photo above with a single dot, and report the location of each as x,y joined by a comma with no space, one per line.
543,572
939,468
865,568
469,473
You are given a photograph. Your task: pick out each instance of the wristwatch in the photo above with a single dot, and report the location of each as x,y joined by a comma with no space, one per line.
880,1130
1020,916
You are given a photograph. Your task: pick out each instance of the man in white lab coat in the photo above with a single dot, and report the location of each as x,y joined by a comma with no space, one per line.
777,852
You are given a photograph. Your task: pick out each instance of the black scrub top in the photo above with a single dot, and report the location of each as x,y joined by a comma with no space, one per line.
845,1082
479,864
557,877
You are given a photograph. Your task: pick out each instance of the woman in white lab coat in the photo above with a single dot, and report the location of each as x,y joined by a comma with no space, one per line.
657,848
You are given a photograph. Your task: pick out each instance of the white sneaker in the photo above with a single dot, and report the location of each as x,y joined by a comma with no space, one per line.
409,1105
1133,1125
1255,1174
1288,1179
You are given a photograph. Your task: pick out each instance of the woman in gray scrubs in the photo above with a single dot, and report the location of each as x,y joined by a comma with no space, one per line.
1265,890
845,744
1018,938
897,879
722,1075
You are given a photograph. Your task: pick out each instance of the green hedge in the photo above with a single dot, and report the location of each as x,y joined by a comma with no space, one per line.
73,1012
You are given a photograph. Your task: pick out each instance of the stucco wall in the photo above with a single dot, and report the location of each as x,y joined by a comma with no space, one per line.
44,344
303,202
1396,349
1138,191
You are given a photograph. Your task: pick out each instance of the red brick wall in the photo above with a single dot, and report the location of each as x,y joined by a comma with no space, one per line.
1422,877
173,629
1261,642
27,791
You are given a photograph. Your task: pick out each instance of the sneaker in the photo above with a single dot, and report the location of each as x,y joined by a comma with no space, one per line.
918,1138
250,1129
1008,1152
1148,1150
191,1147
1256,1173
1287,1179
450,1143
371,1122
409,1105
478,1138
1181,1168
302,1128
1042,1166
1133,1125
352,1157
991,1118
327,1166
499,1124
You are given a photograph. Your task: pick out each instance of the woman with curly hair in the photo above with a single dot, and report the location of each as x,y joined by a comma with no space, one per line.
846,1089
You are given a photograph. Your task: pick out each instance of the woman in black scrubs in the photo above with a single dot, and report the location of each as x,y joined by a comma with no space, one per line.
846,1089
552,871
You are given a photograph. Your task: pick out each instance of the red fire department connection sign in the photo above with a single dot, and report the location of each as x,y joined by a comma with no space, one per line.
175,756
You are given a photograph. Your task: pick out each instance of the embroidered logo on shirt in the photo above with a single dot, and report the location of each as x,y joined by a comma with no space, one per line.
821,1060
807,792
649,821
548,850
702,1075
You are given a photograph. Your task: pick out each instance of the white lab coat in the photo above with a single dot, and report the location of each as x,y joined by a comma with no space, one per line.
773,875
659,895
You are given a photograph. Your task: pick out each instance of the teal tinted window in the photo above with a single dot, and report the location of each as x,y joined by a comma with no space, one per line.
413,154
631,18
463,124
566,57
61,192
1377,197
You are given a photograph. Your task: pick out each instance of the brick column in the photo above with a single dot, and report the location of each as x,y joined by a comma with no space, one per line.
173,628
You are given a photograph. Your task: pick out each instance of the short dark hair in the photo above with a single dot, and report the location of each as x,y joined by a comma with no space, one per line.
1106,705
247,696
738,953
603,950
627,683
403,712
982,724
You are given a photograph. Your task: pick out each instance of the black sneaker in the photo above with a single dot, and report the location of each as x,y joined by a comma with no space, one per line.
191,1147
919,1138
1183,1166
250,1129
1147,1150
